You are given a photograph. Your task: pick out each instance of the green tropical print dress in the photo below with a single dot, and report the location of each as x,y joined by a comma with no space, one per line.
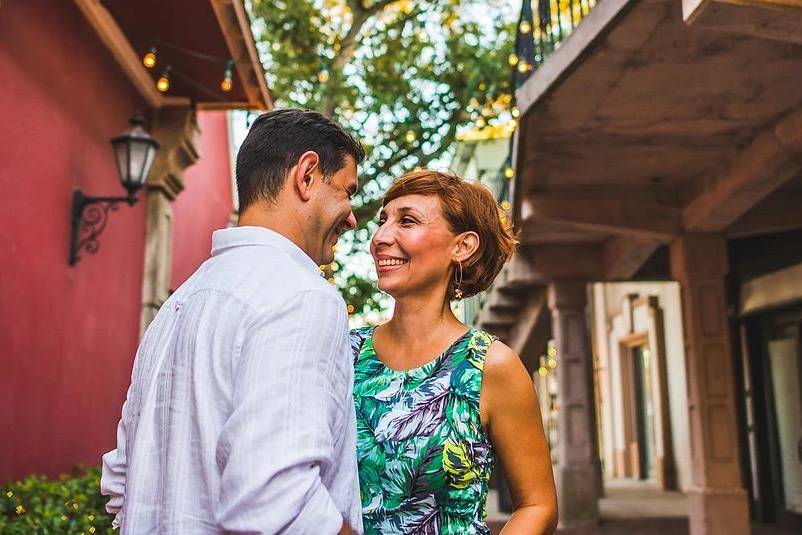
424,458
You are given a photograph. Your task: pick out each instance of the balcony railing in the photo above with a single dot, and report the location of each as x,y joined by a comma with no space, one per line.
553,21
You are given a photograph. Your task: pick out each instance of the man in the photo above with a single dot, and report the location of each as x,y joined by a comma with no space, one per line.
239,418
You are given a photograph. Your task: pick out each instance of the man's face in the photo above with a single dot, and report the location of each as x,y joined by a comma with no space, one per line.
333,209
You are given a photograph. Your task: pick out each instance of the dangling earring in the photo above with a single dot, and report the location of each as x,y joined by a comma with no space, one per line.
458,282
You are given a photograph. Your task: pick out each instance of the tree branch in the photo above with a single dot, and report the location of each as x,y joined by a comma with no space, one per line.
348,48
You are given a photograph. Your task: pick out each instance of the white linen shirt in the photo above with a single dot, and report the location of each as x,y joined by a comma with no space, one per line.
240,417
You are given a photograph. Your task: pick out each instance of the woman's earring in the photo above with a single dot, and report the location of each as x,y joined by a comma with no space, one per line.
458,282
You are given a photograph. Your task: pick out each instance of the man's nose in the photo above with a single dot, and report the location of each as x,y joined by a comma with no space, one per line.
350,221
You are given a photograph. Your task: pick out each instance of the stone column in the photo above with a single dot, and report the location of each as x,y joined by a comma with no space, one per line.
578,472
176,130
718,503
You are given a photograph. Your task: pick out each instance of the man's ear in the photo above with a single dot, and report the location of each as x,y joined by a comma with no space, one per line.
305,173
467,243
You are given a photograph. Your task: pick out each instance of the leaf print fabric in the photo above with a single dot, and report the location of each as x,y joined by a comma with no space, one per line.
424,458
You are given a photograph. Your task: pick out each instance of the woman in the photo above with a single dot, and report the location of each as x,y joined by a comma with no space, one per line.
435,399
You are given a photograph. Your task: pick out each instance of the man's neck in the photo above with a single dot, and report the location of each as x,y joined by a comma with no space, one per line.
279,221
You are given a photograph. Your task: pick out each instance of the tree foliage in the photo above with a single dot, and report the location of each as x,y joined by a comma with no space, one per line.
402,75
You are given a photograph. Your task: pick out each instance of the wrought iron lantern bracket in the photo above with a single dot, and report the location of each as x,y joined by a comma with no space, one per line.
89,218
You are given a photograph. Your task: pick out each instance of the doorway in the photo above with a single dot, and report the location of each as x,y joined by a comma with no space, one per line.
773,368
644,410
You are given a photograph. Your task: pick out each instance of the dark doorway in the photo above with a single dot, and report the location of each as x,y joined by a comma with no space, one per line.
773,397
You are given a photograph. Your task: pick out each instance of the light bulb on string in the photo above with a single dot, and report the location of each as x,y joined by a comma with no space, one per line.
163,83
149,60
410,136
513,59
227,82
509,172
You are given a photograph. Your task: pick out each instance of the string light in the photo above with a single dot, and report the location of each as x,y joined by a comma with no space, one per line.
505,205
410,136
525,27
513,59
323,77
351,309
163,83
149,60
516,112
227,82
509,172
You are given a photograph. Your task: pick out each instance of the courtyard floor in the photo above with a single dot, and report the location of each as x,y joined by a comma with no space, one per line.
635,509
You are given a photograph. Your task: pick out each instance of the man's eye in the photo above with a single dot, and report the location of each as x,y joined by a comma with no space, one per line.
407,221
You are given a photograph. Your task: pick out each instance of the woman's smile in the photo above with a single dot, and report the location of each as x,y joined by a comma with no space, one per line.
386,263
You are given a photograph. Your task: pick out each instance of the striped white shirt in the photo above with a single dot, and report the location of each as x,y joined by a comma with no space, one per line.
240,417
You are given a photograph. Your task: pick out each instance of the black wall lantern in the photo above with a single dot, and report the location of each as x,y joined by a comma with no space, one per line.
135,151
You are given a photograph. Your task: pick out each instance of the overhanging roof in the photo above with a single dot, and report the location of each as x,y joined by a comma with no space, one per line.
215,28
641,127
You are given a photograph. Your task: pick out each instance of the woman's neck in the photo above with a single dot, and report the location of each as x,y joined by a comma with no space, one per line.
425,318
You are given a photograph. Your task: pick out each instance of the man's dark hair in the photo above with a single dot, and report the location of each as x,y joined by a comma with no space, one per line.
275,142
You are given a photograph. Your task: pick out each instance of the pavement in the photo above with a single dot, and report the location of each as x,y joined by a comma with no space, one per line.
633,508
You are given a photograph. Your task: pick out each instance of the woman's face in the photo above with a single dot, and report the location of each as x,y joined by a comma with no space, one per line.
413,248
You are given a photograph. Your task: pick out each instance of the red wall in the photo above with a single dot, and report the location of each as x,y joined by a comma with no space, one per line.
68,334
205,204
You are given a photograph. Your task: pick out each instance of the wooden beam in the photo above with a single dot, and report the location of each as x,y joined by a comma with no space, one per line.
623,256
766,164
616,213
529,334
546,262
780,212
235,25
779,20
115,40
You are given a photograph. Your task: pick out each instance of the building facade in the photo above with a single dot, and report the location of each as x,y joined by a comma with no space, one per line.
73,76
657,182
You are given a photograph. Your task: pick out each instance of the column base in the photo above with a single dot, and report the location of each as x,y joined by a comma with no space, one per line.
715,511
578,497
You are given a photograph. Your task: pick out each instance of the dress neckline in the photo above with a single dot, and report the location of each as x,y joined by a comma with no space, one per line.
437,358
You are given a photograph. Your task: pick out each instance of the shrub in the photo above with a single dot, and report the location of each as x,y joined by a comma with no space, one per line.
72,504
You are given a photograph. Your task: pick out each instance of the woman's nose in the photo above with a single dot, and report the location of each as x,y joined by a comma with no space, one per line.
383,235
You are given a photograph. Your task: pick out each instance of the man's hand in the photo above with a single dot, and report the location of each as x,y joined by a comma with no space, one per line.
346,529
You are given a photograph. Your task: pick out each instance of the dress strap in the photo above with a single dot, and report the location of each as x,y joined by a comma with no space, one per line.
478,344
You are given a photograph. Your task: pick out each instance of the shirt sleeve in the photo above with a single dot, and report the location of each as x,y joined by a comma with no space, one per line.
115,469
278,440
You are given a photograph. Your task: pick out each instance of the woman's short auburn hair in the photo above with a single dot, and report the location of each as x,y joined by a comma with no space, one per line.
466,207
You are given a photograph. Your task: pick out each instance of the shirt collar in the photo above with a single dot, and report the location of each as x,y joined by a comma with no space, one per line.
229,238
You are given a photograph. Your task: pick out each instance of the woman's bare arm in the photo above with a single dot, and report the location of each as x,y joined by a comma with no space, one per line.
511,414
